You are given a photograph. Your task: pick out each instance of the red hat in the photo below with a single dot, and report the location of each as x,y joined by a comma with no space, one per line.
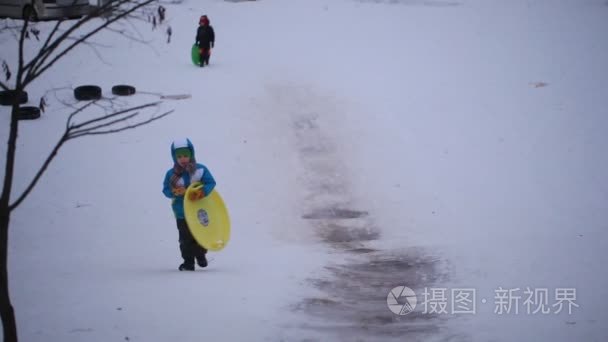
203,20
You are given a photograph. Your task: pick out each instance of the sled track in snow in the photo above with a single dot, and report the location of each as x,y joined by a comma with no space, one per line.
353,304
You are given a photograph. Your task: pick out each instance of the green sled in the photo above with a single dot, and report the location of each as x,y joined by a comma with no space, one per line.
196,56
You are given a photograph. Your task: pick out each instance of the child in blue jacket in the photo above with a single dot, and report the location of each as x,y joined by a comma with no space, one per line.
185,171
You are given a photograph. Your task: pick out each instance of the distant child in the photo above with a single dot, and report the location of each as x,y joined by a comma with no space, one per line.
205,39
185,171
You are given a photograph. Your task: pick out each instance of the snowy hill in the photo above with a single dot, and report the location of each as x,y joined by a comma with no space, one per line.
360,146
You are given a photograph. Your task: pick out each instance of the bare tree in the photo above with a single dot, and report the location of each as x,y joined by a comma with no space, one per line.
53,46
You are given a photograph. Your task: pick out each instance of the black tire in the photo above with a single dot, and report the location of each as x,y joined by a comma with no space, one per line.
7,96
28,113
87,93
123,90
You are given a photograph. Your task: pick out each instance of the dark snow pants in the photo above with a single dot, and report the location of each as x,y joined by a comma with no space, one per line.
205,53
189,248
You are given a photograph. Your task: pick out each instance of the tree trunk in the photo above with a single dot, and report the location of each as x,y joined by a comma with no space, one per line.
6,308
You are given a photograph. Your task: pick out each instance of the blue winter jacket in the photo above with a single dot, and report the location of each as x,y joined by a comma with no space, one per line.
202,174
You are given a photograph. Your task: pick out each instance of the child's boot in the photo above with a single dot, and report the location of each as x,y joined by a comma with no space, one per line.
201,261
187,266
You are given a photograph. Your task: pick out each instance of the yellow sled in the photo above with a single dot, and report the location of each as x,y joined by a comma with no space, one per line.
207,219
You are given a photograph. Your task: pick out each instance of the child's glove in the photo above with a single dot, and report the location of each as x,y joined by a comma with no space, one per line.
195,195
180,191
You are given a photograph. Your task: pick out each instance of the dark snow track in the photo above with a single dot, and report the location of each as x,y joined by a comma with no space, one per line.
353,300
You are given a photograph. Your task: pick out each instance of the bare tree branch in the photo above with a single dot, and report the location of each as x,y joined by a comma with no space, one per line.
44,54
38,66
124,34
53,47
68,124
88,122
30,67
111,105
48,48
72,132
93,47
125,127
133,27
108,108
18,85
50,36
42,169
86,130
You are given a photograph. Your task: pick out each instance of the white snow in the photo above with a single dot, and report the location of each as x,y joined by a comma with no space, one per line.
436,119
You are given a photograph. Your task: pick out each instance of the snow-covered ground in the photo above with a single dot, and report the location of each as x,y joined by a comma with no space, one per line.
359,146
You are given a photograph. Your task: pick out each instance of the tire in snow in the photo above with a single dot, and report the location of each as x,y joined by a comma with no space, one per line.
87,93
28,113
7,96
123,90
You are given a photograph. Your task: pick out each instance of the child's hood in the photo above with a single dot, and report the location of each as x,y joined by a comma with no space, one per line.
180,143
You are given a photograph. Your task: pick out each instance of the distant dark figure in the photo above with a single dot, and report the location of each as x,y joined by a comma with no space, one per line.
161,14
205,39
